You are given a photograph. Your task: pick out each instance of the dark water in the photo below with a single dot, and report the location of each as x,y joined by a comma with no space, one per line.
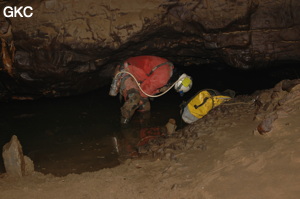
76,134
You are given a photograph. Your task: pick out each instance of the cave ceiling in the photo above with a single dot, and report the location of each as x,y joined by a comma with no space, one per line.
69,47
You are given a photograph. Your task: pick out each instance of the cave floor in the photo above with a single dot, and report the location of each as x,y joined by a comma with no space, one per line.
228,159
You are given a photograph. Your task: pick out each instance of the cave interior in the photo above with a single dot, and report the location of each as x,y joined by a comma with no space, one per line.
57,67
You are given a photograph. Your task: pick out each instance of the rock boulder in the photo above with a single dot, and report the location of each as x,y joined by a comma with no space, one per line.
16,164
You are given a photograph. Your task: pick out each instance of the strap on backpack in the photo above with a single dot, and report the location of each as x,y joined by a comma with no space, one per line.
159,65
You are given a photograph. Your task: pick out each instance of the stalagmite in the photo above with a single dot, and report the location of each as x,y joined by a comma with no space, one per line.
16,164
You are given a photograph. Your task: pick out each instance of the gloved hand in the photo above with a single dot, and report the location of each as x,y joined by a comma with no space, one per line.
163,89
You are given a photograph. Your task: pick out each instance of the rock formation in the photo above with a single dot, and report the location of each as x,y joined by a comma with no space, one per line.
70,47
16,164
276,103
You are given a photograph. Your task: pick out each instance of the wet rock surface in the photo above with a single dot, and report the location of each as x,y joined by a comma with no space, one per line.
71,47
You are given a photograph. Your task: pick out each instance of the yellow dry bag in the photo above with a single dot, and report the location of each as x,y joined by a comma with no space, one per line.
202,103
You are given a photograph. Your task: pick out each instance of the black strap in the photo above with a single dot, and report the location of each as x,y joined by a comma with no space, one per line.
211,92
205,99
159,65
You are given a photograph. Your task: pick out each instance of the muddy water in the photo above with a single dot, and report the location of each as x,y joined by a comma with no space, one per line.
77,134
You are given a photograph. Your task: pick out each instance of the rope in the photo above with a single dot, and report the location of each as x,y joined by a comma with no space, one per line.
235,103
143,90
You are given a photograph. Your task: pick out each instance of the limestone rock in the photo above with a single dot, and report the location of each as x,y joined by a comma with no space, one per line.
29,166
71,47
266,125
276,103
16,164
171,126
13,158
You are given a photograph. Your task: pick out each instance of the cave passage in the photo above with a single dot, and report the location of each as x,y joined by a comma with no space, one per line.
77,134
243,82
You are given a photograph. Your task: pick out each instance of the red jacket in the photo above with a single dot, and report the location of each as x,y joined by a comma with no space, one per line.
151,80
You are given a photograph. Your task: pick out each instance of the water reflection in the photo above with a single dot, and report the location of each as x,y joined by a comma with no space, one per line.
76,134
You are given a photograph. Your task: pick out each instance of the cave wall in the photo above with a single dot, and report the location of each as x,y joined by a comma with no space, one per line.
70,47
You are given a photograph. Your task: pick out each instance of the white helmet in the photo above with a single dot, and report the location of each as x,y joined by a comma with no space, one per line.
183,84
